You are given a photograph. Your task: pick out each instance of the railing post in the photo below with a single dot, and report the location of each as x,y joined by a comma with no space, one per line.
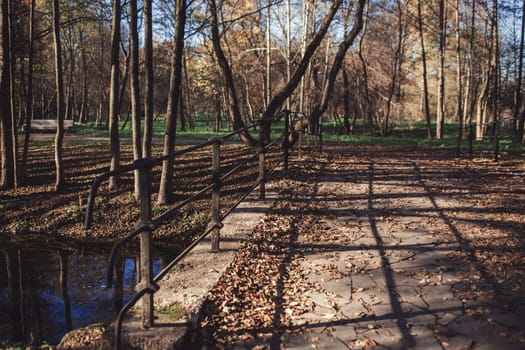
262,161
216,193
146,270
286,142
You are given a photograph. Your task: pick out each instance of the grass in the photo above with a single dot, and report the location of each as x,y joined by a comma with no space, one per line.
404,134
415,134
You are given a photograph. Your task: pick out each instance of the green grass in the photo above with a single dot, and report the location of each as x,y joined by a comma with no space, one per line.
415,134
404,134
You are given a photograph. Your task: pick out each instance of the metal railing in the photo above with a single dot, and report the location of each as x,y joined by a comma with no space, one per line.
146,224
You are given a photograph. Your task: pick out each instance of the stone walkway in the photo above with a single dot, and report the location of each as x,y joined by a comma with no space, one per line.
389,259
387,278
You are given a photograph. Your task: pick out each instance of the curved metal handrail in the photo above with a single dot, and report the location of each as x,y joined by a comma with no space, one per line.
148,164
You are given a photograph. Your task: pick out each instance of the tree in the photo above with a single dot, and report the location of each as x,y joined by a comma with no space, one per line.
441,85
134,81
29,94
519,107
60,178
166,183
114,101
233,101
287,89
7,179
459,77
148,86
426,103
348,40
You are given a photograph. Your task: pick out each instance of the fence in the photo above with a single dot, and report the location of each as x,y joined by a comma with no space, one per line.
146,225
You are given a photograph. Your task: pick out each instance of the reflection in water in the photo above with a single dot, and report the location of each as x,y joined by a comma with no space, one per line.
45,293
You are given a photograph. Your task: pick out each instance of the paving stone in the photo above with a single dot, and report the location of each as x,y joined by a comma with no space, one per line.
510,319
363,282
440,299
408,294
458,342
423,338
345,333
311,341
354,311
339,289
386,337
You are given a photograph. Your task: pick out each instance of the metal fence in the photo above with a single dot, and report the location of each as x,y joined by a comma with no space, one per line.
147,224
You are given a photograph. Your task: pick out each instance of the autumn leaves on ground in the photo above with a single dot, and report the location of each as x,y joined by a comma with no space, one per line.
475,205
480,205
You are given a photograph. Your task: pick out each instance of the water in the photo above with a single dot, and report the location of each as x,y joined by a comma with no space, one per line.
45,292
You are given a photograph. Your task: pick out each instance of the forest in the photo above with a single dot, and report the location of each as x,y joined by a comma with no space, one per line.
377,62
147,75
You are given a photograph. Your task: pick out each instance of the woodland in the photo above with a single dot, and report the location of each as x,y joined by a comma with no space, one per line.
376,63
143,73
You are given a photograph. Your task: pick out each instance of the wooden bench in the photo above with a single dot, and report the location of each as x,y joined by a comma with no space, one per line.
49,124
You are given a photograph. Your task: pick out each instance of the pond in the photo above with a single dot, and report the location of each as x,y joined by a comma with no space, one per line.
46,292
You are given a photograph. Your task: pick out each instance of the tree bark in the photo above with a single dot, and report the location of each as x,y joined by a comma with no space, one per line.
135,93
441,83
7,179
520,117
282,94
114,102
148,88
60,178
166,182
459,76
233,101
29,95
426,103
321,107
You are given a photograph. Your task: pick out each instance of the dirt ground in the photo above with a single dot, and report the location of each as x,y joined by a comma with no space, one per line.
480,204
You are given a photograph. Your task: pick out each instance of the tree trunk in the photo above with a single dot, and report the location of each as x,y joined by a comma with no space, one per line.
233,101
268,55
29,96
459,101
114,102
441,83
282,94
148,88
321,107
346,104
135,93
7,179
520,117
426,103
60,178
12,67
166,182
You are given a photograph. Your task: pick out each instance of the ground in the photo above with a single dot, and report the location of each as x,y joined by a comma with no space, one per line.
368,247
380,248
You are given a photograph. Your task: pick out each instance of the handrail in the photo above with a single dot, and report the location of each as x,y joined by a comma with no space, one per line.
147,224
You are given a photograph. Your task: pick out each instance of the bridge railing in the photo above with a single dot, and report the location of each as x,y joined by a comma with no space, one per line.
147,224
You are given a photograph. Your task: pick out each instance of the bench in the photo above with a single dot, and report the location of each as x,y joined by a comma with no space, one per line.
49,124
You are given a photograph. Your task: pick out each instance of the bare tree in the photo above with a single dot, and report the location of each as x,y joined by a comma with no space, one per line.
29,94
426,103
166,182
349,38
148,86
459,78
441,79
134,81
114,102
7,179
519,107
59,137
